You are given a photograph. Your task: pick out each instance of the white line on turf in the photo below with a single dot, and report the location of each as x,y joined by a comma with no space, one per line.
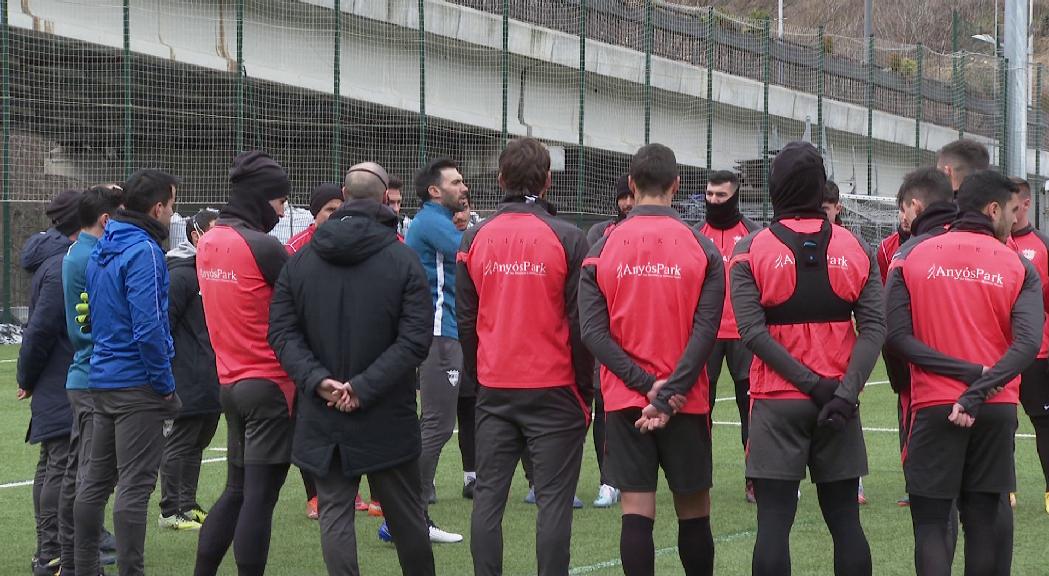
591,568
733,398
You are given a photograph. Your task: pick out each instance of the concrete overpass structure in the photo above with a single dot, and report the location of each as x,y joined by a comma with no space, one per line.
380,67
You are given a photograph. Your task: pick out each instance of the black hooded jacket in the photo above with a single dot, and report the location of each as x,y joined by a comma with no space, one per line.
369,322
196,375
45,355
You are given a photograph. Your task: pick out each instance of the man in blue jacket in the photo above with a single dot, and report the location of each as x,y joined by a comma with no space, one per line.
436,240
96,206
42,364
131,381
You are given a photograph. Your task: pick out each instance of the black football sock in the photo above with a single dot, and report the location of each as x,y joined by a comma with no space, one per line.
933,548
777,506
637,549
695,546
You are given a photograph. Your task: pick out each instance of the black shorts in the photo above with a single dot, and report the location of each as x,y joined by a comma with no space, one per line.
258,423
682,450
1034,389
785,439
735,354
943,460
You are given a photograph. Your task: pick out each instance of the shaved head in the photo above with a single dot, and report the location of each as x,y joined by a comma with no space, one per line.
366,181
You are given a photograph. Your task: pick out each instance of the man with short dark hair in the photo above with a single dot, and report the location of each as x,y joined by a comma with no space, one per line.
927,201
43,361
238,263
97,205
832,202
131,380
808,304
725,226
1033,245
324,200
516,303
352,343
961,158
964,377
435,239
393,194
650,298
197,380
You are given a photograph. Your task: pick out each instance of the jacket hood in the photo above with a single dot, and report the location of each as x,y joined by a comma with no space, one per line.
797,182
119,237
39,247
356,232
185,254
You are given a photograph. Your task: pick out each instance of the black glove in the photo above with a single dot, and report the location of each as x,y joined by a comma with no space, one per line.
836,413
823,391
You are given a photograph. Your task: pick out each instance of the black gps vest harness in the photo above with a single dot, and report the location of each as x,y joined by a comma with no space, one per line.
813,300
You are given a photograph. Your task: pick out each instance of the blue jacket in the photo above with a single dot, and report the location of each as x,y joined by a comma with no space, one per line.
74,281
127,284
436,240
46,353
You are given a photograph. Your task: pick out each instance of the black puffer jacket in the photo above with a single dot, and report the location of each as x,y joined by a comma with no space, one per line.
354,305
196,376
43,360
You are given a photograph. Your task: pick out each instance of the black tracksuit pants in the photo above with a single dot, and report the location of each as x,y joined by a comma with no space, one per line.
398,488
549,425
180,465
128,442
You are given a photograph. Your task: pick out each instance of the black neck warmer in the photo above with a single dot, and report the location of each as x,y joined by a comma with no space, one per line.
152,227
725,215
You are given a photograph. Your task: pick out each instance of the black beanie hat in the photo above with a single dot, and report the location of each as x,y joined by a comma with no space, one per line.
63,211
623,187
797,182
322,195
255,172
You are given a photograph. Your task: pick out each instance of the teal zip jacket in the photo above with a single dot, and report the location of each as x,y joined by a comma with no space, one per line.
436,240
74,281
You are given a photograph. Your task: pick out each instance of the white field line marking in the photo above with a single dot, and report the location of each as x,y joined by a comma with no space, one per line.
11,361
865,429
733,398
591,568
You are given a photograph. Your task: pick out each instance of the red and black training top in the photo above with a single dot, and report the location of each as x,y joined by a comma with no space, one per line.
797,286
238,266
886,249
650,302
957,302
1034,246
725,240
516,286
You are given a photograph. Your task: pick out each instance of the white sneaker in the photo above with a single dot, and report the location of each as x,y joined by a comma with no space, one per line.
439,536
607,496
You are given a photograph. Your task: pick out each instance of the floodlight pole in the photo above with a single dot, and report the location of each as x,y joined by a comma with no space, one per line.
1016,18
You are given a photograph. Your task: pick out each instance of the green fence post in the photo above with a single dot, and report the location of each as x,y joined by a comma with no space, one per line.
765,118
1003,94
581,156
1040,189
336,142
239,126
819,89
957,77
919,95
5,70
422,82
506,71
128,143
648,69
710,88
870,115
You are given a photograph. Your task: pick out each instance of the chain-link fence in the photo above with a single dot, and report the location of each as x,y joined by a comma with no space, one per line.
94,90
